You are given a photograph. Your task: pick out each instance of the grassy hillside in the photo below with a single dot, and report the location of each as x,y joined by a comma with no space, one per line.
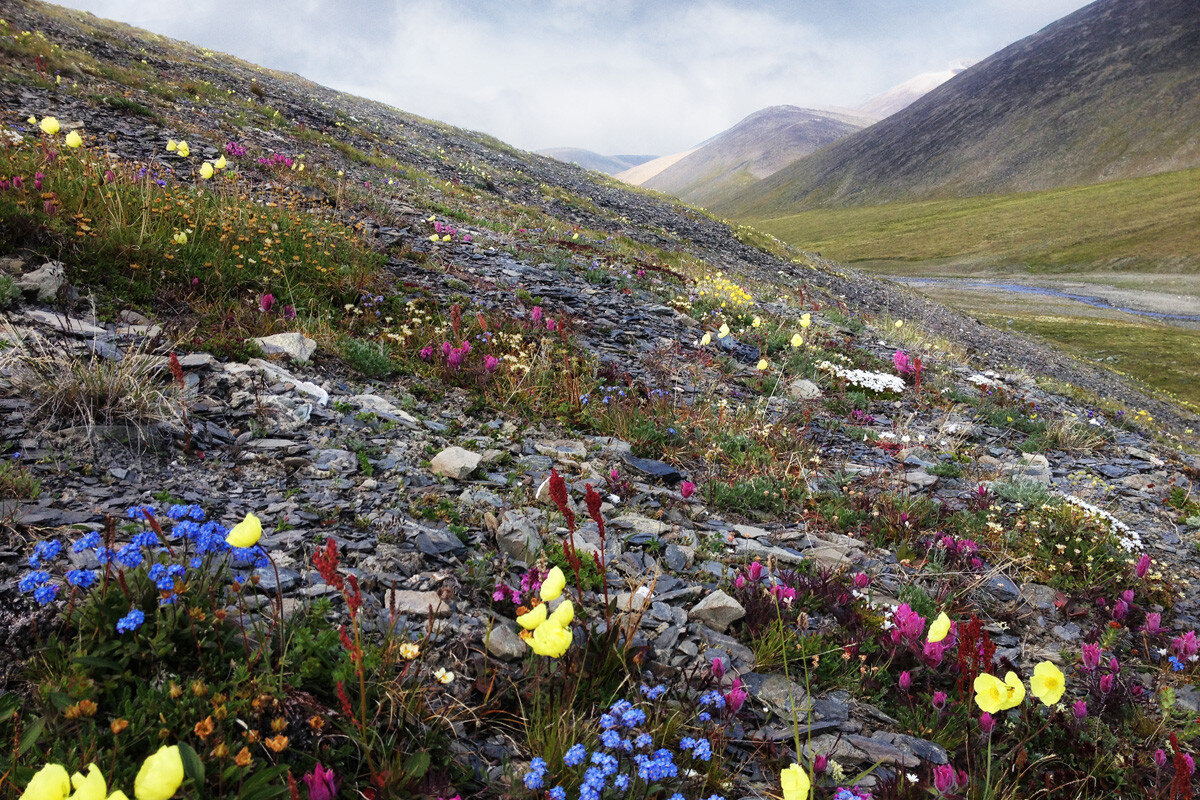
1109,92
1146,223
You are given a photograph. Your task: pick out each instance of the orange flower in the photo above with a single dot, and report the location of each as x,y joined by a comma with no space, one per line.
277,743
204,728
242,759
118,725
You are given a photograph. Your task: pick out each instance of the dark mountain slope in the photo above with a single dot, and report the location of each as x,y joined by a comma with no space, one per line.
1111,91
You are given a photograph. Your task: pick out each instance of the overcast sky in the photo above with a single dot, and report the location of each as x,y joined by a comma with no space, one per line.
614,76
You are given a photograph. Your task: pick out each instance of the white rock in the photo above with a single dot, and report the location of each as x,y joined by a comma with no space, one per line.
804,389
295,346
279,373
455,462
718,611
43,282
64,323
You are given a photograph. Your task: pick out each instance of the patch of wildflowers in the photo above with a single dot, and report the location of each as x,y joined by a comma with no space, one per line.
131,621
44,594
83,578
45,552
32,580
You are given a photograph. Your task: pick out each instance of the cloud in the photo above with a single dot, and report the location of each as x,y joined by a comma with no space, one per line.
623,76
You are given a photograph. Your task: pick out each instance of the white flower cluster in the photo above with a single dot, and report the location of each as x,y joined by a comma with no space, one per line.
1129,539
875,381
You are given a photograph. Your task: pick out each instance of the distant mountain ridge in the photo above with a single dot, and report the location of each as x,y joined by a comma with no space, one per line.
756,147
905,94
1110,91
591,160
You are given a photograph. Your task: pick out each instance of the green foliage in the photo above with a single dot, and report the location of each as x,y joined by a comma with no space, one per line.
9,293
369,358
1020,490
946,469
589,574
16,483
765,493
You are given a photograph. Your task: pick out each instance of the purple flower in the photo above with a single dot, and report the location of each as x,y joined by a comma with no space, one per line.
1106,683
939,700
490,363
1160,758
1091,656
687,489
1143,565
322,784
905,681
1153,623
944,779
536,315
427,352
718,668
987,723
1120,610
266,301
736,697
1079,708
754,571
820,764
861,580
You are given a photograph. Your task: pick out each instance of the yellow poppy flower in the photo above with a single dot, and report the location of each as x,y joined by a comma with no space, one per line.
795,783
551,640
446,238
118,795
73,140
179,238
48,783
562,615
89,787
756,323
435,238
160,775
409,650
206,170
444,676
806,320
990,693
532,619
183,150
723,331
49,125
246,533
553,585
32,120
171,145
797,340
940,628
1015,690
762,364
899,323
1047,683
221,163
706,339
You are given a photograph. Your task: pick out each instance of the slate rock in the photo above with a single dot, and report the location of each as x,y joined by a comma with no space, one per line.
718,611
43,282
655,469
455,462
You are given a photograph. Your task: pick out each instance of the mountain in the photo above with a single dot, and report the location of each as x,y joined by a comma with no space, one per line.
643,172
755,148
905,94
591,160
1111,91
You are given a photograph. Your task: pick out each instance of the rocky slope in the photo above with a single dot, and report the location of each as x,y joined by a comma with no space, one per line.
1110,91
433,476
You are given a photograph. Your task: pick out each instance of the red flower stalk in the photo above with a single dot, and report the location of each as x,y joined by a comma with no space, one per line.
293,789
1181,783
326,562
456,320
345,701
975,654
558,493
594,502
353,597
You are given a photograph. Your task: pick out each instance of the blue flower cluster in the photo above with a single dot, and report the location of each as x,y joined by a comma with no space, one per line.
204,539
625,755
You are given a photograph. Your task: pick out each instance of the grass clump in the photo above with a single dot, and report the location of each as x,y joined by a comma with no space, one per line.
369,358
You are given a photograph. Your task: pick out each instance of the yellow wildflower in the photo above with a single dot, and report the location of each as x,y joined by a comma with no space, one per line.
73,140
797,340
443,675
160,775
221,163
532,619
49,125
899,324
795,783
551,640
246,533
723,331
990,693
409,650
171,145
184,151
806,320
562,615
706,339
179,238
553,585
756,323
940,628
206,170
89,787
1047,683
49,783
762,364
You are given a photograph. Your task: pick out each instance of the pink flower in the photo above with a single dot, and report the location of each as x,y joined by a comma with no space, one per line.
427,352
687,489
266,301
1190,763
754,571
820,764
1120,610
446,348
737,695
1106,683
910,624
1079,709
535,314
944,779
289,312
109,176
861,580
987,723
903,363
38,177
739,581
322,785
905,681
490,363
1185,646
18,182
1091,656
718,668
455,358
1153,623
1160,758
939,700
933,652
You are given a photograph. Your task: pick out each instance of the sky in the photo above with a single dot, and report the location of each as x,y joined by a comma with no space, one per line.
614,76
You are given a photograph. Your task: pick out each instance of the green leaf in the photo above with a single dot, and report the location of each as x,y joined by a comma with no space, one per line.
31,735
60,700
193,767
100,663
266,784
416,765
9,702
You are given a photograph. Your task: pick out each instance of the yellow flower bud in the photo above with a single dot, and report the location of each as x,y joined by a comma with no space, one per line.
49,125
160,775
246,533
73,140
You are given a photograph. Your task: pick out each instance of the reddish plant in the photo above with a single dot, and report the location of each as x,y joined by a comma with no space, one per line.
975,654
